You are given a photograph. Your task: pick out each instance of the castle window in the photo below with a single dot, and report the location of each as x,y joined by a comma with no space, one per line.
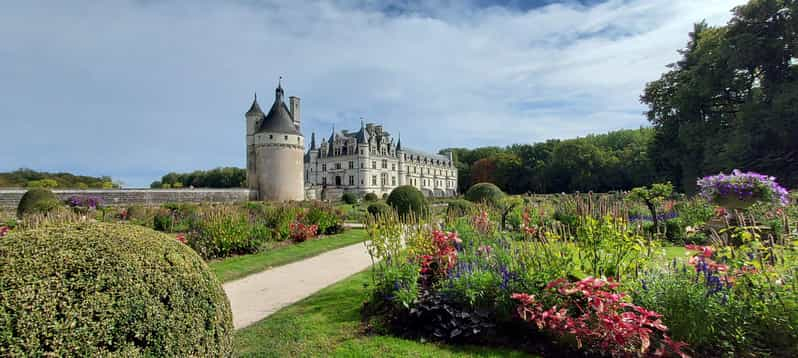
393,181
337,165
351,180
286,137
271,136
373,180
324,167
361,181
324,181
351,164
384,164
362,165
361,151
393,166
373,164
384,179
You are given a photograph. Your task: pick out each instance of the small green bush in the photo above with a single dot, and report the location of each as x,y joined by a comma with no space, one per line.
101,289
349,198
163,220
484,192
378,208
37,200
407,199
459,207
325,217
371,197
225,231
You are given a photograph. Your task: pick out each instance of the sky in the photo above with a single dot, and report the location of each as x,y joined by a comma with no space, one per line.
136,89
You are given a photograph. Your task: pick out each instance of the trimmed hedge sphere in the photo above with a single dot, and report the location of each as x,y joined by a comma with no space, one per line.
378,208
371,197
406,199
99,289
484,192
349,198
37,200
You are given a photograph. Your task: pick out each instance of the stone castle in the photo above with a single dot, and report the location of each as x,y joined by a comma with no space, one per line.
368,160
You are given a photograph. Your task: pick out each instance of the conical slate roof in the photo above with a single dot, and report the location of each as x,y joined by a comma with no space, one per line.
279,118
362,135
255,108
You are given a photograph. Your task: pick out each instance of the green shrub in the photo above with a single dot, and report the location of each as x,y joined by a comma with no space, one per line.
349,198
371,197
225,231
378,208
484,192
459,207
276,217
163,220
100,289
407,199
37,200
325,217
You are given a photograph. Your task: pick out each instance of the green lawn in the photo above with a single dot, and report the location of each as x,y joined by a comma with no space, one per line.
328,324
239,266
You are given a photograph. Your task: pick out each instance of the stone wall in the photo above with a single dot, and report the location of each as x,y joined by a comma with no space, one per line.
9,198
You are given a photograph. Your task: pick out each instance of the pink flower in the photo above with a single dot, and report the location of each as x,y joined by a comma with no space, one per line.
4,230
181,238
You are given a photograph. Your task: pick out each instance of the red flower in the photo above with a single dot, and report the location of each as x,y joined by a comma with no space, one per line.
181,238
4,230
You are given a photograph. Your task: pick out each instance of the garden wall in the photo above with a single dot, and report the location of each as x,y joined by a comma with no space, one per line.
9,198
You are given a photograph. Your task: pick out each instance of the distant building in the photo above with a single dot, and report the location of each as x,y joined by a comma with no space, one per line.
275,148
370,161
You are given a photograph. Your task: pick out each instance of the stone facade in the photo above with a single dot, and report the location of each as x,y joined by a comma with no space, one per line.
9,198
275,148
370,161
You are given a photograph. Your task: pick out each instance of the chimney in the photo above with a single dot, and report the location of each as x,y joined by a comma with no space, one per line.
294,101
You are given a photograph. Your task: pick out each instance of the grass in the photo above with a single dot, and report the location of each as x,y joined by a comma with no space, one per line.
239,266
328,324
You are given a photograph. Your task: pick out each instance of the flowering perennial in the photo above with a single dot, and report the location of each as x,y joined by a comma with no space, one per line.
181,238
89,202
481,222
526,226
596,315
4,230
743,186
445,256
301,232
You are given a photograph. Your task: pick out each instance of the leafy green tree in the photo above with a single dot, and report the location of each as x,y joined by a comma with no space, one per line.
652,196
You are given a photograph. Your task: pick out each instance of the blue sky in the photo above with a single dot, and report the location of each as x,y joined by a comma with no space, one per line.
134,89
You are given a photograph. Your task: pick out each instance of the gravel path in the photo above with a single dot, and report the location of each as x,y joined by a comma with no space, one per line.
257,296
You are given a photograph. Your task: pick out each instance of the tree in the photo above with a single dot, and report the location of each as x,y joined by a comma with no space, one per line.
652,196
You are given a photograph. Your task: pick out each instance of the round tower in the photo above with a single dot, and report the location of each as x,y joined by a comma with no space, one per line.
278,148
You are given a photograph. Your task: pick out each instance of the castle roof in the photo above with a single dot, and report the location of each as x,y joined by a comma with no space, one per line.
362,135
279,118
255,108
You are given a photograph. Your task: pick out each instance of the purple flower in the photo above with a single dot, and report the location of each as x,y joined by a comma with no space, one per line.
748,185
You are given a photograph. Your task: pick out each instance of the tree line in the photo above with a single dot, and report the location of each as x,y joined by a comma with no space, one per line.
730,102
225,177
29,178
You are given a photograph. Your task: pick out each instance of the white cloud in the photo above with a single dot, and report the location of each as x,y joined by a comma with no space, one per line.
132,89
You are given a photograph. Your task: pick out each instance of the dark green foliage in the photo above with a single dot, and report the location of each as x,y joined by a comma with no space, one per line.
163,220
227,177
602,162
370,197
459,207
37,200
379,208
22,177
484,193
98,289
407,199
731,100
349,198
